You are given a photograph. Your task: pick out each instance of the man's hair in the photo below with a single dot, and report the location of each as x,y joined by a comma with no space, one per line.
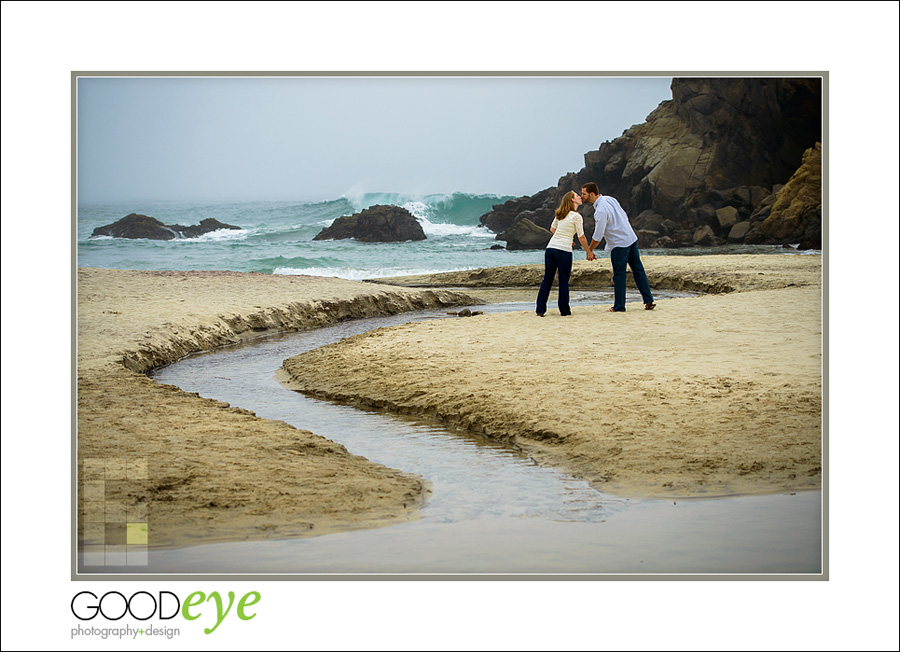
590,186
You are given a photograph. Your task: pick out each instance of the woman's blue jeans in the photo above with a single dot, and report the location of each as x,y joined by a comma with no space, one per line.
555,260
631,257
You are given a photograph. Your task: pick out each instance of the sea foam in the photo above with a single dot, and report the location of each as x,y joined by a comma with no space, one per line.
223,234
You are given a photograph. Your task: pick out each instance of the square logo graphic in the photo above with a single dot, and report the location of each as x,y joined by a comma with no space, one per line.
112,512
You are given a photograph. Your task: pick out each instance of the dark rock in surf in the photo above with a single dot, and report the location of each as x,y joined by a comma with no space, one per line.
375,224
136,226
206,226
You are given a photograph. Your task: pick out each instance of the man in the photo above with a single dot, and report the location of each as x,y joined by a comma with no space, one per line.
621,243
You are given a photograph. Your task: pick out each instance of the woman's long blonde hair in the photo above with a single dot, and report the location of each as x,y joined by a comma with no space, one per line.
566,206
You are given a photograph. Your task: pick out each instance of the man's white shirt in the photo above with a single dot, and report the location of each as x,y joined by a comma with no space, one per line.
611,222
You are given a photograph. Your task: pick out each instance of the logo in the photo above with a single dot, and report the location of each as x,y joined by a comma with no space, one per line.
165,605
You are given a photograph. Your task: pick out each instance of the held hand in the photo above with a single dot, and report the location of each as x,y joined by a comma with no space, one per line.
590,255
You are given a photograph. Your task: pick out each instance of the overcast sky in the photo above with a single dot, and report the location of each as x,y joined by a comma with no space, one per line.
223,139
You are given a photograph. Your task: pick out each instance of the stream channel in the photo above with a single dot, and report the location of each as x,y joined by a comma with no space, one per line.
493,511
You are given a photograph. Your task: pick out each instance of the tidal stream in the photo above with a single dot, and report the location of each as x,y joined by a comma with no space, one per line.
493,511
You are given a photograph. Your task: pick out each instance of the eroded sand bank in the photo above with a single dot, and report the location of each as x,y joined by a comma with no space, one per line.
196,469
707,396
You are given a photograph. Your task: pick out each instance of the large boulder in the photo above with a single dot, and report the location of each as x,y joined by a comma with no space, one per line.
136,226
719,142
375,224
738,232
538,208
525,234
726,217
649,220
704,236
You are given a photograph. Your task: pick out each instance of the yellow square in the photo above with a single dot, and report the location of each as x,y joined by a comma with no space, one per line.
136,533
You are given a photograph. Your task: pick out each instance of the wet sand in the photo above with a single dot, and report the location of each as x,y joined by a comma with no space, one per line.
197,470
706,396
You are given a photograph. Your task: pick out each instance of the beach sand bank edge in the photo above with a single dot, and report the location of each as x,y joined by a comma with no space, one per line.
194,470
708,396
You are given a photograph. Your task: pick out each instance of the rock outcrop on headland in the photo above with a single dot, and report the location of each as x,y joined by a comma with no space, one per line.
796,211
703,164
134,226
375,224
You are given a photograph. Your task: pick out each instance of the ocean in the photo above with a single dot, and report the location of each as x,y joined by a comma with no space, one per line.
276,237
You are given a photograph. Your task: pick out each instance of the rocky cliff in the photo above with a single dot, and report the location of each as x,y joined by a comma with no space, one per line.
702,164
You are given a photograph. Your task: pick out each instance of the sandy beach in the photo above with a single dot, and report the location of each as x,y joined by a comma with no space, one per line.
705,396
197,470
714,395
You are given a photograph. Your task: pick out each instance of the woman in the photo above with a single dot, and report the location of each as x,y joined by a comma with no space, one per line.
558,254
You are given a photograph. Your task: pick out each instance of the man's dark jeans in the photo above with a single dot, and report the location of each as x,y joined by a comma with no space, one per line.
630,257
561,261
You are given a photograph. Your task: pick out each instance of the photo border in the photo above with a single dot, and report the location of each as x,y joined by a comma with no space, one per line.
76,576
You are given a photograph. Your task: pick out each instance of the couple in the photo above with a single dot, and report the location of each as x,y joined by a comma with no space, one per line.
621,243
